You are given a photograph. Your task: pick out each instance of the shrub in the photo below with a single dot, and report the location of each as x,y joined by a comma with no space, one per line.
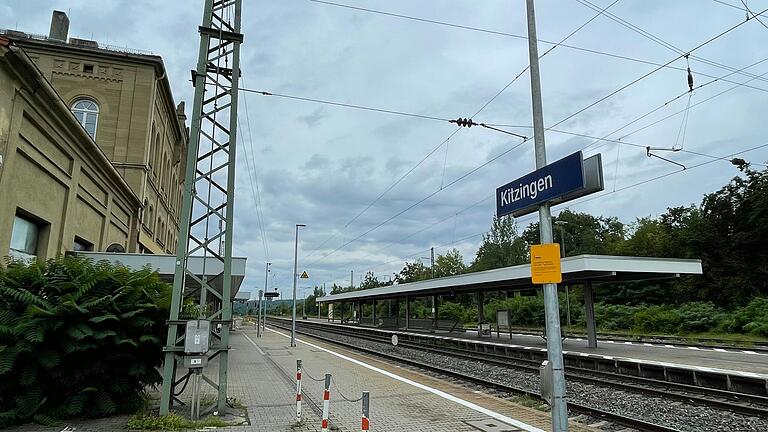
451,311
77,338
614,317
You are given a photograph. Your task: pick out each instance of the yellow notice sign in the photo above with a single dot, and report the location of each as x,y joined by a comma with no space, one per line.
304,275
545,263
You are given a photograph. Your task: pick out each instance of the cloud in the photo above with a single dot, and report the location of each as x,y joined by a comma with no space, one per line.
324,166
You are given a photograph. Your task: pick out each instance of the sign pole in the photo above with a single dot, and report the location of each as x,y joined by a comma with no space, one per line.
551,309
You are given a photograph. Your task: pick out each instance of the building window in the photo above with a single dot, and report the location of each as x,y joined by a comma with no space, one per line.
152,148
87,113
88,68
80,245
24,238
149,217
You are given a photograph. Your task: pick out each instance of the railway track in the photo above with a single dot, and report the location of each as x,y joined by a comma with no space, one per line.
720,399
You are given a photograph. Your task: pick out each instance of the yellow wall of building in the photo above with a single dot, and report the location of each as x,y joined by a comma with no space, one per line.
51,174
138,127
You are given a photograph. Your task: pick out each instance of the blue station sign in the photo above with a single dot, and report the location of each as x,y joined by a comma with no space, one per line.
554,182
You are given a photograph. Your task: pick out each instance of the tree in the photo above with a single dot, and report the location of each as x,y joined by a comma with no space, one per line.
371,281
413,272
450,264
581,233
501,247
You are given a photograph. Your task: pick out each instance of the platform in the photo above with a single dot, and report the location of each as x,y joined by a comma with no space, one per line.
737,360
262,378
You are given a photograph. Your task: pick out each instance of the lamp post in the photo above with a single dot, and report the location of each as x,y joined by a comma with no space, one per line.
266,282
295,281
562,224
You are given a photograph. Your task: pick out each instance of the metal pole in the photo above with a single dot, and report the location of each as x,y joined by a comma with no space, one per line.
432,263
365,422
551,309
295,281
589,307
258,319
567,287
298,390
266,283
351,278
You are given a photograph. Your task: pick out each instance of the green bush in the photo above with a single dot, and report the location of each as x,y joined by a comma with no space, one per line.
77,339
451,311
614,317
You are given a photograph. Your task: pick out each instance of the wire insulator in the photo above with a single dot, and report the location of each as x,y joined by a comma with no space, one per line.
690,80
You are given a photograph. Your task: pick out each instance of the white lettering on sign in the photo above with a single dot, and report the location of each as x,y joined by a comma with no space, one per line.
522,191
196,361
197,339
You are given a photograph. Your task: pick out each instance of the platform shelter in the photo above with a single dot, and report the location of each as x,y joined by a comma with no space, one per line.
583,270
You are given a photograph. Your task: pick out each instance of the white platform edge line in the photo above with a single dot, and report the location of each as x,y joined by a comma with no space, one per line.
442,394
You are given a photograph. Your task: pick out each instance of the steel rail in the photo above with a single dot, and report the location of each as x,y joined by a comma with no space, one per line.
578,408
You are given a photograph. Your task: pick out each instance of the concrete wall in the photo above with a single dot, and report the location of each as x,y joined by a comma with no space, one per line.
53,173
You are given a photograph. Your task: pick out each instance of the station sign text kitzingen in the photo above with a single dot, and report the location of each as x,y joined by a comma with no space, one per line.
560,181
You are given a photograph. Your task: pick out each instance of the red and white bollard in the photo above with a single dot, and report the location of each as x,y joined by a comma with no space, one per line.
365,425
298,390
326,402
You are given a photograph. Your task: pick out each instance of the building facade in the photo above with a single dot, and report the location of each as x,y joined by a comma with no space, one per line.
58,189
123,100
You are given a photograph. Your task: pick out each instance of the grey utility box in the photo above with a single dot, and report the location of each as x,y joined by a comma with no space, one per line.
197,336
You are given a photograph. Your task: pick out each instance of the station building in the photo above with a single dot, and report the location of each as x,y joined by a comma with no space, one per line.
92,147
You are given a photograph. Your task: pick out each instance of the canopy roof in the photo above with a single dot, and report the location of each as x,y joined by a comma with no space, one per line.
576,269
165,265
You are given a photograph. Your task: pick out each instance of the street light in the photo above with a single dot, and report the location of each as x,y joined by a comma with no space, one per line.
562,224
295,281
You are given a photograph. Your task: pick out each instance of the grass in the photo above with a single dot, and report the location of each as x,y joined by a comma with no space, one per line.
171,422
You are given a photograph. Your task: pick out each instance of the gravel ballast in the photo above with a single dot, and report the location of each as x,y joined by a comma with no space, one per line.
653,409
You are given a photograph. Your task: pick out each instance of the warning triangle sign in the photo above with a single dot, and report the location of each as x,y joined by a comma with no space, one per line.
304,275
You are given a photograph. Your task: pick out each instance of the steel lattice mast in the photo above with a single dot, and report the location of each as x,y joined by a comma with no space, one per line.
207,206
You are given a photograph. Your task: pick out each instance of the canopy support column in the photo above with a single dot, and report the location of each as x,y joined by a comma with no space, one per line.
589,306
373,315
480,307
407,312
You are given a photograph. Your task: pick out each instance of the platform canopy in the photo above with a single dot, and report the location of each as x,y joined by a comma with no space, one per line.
576,270
165,265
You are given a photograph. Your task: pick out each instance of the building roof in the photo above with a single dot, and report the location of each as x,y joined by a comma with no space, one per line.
576,269
165,265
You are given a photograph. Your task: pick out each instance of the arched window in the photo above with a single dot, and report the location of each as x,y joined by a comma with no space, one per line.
87,113
152,147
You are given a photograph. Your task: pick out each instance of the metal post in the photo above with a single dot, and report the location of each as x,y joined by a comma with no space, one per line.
373,314
365,424
561,224
407,312
266,285
298,390
589,306
295,281
480,307
551,309
434,312
326,402
432,262
195,408
207,211
258,317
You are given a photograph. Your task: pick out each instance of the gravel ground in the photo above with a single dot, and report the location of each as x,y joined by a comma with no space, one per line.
657,410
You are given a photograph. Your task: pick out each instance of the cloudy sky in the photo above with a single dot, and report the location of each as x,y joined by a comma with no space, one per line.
324,165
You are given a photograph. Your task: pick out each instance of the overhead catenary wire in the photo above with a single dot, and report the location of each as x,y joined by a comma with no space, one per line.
749,11
511,35
254,180
659,40
583,200
472,171
447,139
